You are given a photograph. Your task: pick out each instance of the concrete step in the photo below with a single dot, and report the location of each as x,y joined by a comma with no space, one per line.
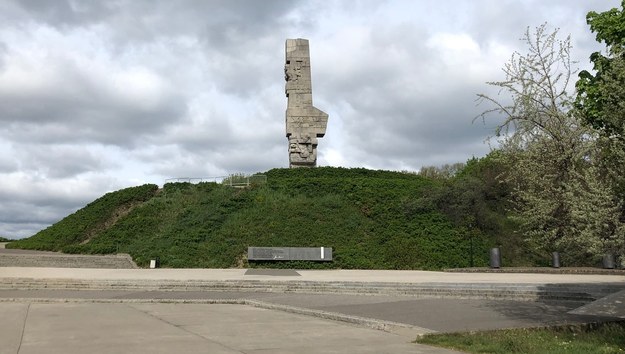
60,260
573,292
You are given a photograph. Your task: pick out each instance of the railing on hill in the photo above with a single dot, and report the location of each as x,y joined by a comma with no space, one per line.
195,180
234,180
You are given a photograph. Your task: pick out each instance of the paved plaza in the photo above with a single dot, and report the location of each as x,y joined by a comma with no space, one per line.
39,315
183,328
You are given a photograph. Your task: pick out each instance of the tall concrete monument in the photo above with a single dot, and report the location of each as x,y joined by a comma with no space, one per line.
304,123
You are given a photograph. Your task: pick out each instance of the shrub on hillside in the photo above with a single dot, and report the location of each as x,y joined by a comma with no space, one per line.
86,222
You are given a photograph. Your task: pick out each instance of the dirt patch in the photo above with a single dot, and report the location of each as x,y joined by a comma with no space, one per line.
241,261
119,213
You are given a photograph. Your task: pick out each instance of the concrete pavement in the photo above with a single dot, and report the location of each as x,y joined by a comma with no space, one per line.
404,315
183,328
390,276
65,320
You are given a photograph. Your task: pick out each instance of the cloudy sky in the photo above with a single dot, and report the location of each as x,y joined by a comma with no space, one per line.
100,95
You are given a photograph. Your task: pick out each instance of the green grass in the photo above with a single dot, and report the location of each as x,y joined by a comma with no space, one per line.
598,338
371,219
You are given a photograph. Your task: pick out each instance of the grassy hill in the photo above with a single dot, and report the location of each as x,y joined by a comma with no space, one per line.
372,219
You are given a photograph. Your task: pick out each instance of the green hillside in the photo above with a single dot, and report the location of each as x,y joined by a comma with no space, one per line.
372,219
87,222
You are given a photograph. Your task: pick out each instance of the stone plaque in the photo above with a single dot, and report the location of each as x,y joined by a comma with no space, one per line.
289,253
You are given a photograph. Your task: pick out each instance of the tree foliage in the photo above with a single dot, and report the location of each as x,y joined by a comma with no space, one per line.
601,101
601,97
445,171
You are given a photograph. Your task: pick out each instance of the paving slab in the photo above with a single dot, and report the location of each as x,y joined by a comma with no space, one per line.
185,328
611,305
13,317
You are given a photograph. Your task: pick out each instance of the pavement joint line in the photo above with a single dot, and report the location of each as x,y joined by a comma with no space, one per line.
371,323
19,347
182,328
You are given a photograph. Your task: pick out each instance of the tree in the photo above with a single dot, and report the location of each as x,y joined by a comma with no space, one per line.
551,152
445,171
601,97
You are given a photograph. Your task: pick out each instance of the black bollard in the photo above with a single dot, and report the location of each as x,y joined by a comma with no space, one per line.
555,260
608,261
495,258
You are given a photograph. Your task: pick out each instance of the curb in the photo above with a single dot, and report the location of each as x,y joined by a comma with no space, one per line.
539,270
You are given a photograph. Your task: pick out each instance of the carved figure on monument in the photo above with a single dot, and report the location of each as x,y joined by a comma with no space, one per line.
301,151
304,123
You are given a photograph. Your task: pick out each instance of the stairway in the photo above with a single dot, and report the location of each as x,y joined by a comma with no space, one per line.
60,260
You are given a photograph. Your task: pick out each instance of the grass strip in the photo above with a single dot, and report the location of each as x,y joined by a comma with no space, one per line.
604,338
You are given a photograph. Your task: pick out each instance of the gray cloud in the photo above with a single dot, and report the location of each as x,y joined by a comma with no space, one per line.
59,162
3,53
74,105
150,18
8,164
37,190
15,213
63,13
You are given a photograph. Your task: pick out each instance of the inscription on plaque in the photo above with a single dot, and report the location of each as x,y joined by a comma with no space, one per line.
289,253
268,253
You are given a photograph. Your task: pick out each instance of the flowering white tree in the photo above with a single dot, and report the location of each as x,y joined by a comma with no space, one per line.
563,202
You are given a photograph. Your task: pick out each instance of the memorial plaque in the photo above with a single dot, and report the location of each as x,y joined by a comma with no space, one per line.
289,253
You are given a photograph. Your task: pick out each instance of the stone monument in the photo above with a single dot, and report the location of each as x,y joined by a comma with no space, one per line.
304,123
